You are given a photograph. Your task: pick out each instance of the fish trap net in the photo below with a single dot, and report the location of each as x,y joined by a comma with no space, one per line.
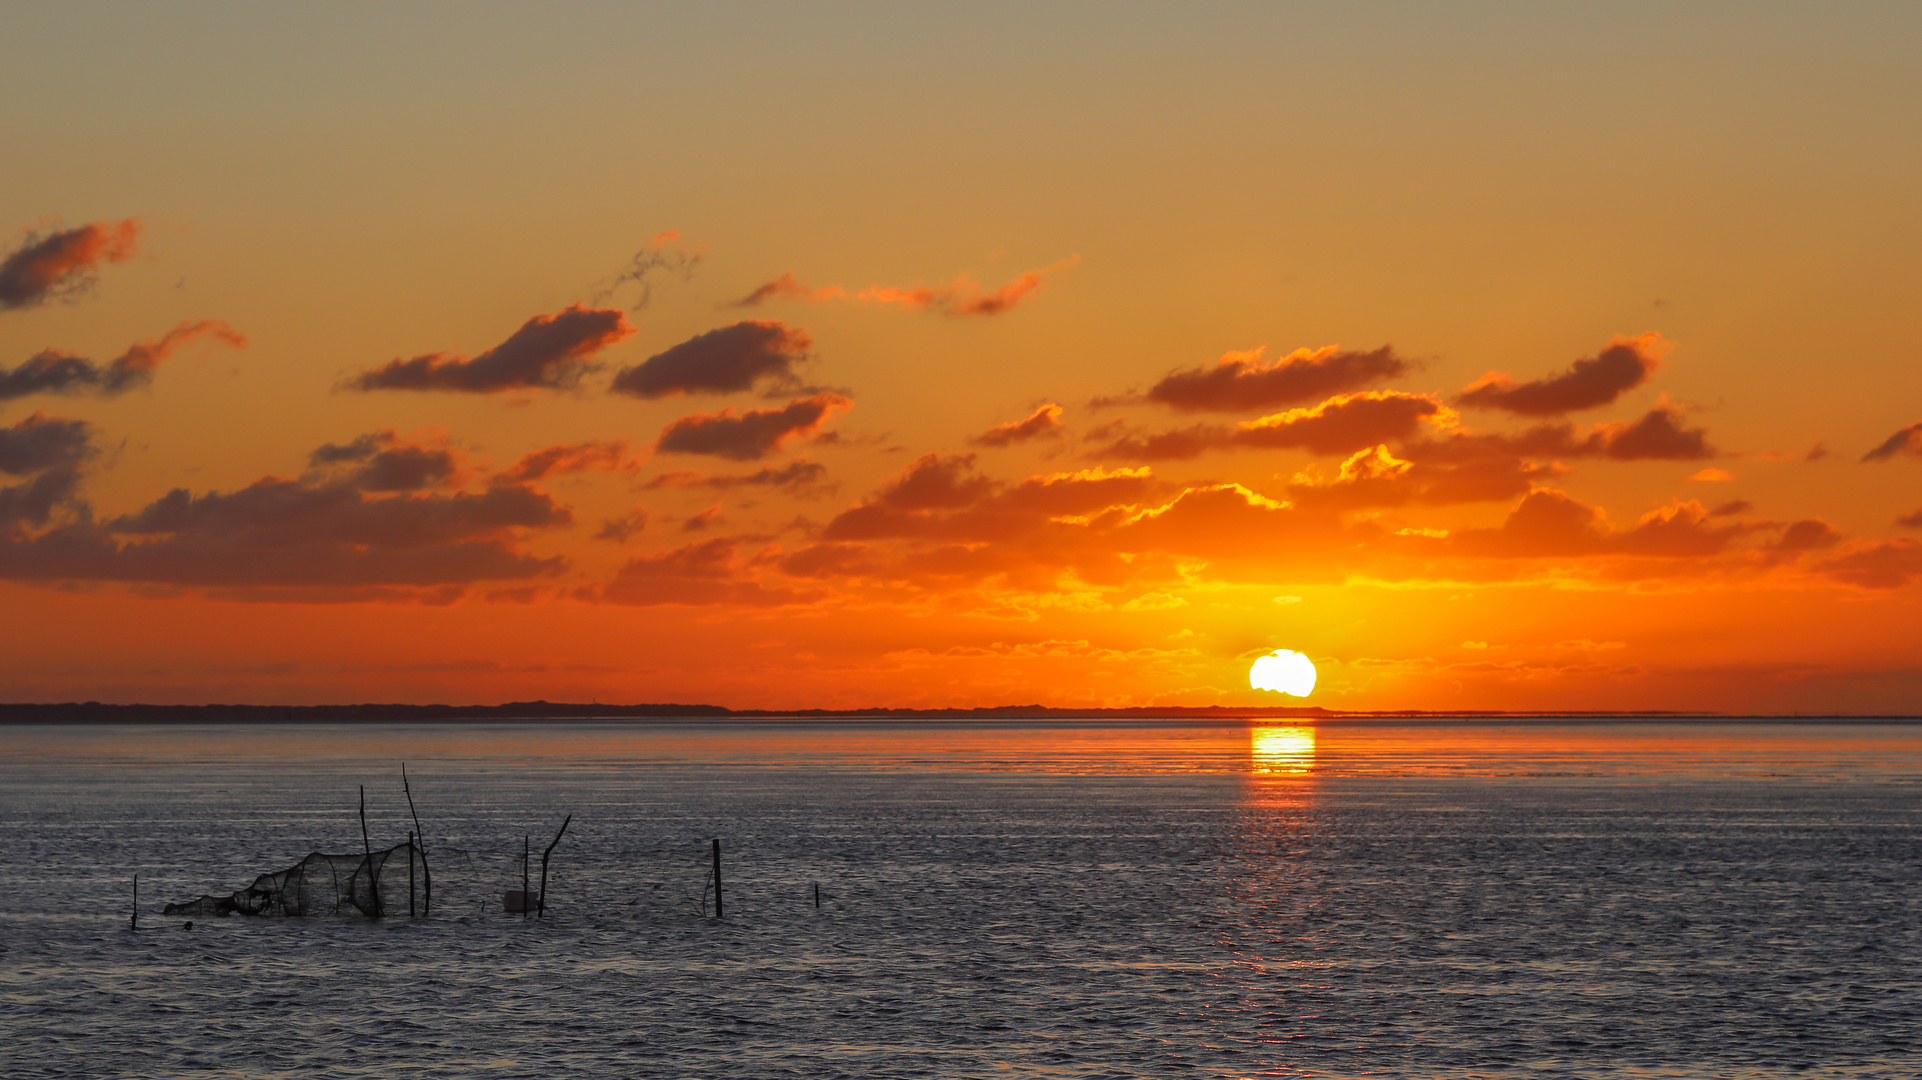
385,882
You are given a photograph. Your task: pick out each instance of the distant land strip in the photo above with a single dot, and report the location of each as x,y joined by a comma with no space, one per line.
94,712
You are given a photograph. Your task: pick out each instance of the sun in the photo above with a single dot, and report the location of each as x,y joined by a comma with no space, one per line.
1286,671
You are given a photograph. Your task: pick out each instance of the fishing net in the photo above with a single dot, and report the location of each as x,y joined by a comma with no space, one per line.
386,882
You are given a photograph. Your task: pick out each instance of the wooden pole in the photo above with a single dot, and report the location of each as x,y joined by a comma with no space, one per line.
717,879
136,903
373,878
540,905
410,875
527,845
817,896
426,871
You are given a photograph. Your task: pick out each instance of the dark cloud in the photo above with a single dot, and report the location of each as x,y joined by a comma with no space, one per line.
706,519
700,574
54,372
753,434
548,351
1907,441
1810,534
619,529
44,442
1549,523
1660,434
1590,382
1044,422
382,461
727,360
1375,477
61,263
797,475
1731,508
662,256
33,502
1910,521
1339,425
563,458
1239,382
942,496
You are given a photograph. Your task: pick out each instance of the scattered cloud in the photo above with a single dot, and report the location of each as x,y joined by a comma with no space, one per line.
1881,564
797,475
706,519
1713,475
1239,382
547,352
662,256
383,461
61,263
724,361
34,502
1907,441
44,442
752,434
788,287
54,372
619,529
1044,422
1590,382
1910,521
962,296
1339,425
563,458
700,574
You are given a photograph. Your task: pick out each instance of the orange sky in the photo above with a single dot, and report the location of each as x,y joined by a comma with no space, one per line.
1495,358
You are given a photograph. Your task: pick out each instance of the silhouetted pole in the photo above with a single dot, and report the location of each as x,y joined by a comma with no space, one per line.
540,905
527,845
136,903
717,879
373,878
426,871
410,875
817,896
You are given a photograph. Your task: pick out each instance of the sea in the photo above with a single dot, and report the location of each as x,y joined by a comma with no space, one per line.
1386,898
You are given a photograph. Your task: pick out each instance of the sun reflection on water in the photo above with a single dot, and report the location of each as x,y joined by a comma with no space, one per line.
1282,749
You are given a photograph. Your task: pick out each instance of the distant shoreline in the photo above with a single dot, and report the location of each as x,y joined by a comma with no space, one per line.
564,712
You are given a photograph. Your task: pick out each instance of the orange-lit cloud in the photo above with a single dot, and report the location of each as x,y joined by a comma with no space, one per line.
563,458
1340,425
787,286
1881,564
700,574
54,372
724,361
1906,441
752,434
1376,477
61,263
548,351
1044,422
620,529
962,296
1238,382
662,256
1590,382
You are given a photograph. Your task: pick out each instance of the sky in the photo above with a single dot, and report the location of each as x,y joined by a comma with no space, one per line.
1493,356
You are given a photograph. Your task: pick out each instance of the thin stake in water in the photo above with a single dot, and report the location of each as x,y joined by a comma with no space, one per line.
136,903
426,871
717,879
540,902
373,876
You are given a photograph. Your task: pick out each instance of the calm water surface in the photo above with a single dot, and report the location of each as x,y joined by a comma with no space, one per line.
1062,900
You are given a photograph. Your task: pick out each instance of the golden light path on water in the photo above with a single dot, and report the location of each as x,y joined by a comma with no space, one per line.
1282,749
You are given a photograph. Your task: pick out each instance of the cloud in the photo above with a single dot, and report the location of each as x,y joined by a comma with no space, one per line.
1239,383
619,529
1549,523
33,502
753,434
799,474
1376,477
1882,564
1809,534
942,496
1044,422
62,263
727,360
1340,425
700,574
1593,381
1731,508
1657,436
44,442
383,462
1910,521
962,296
563,458
662,255
54,372
1713,475
705,519
548,351
311,538
1907,441
787,286
1660,434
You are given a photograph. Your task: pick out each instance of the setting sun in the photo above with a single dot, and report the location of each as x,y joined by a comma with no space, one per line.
1284,671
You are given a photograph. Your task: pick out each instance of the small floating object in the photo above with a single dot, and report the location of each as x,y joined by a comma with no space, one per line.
518,901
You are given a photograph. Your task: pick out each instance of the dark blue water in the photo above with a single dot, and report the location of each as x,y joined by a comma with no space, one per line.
1074,900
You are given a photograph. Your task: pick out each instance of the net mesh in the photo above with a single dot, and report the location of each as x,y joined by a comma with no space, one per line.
370,885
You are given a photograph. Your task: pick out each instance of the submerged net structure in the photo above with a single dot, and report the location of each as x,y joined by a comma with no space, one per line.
385,882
